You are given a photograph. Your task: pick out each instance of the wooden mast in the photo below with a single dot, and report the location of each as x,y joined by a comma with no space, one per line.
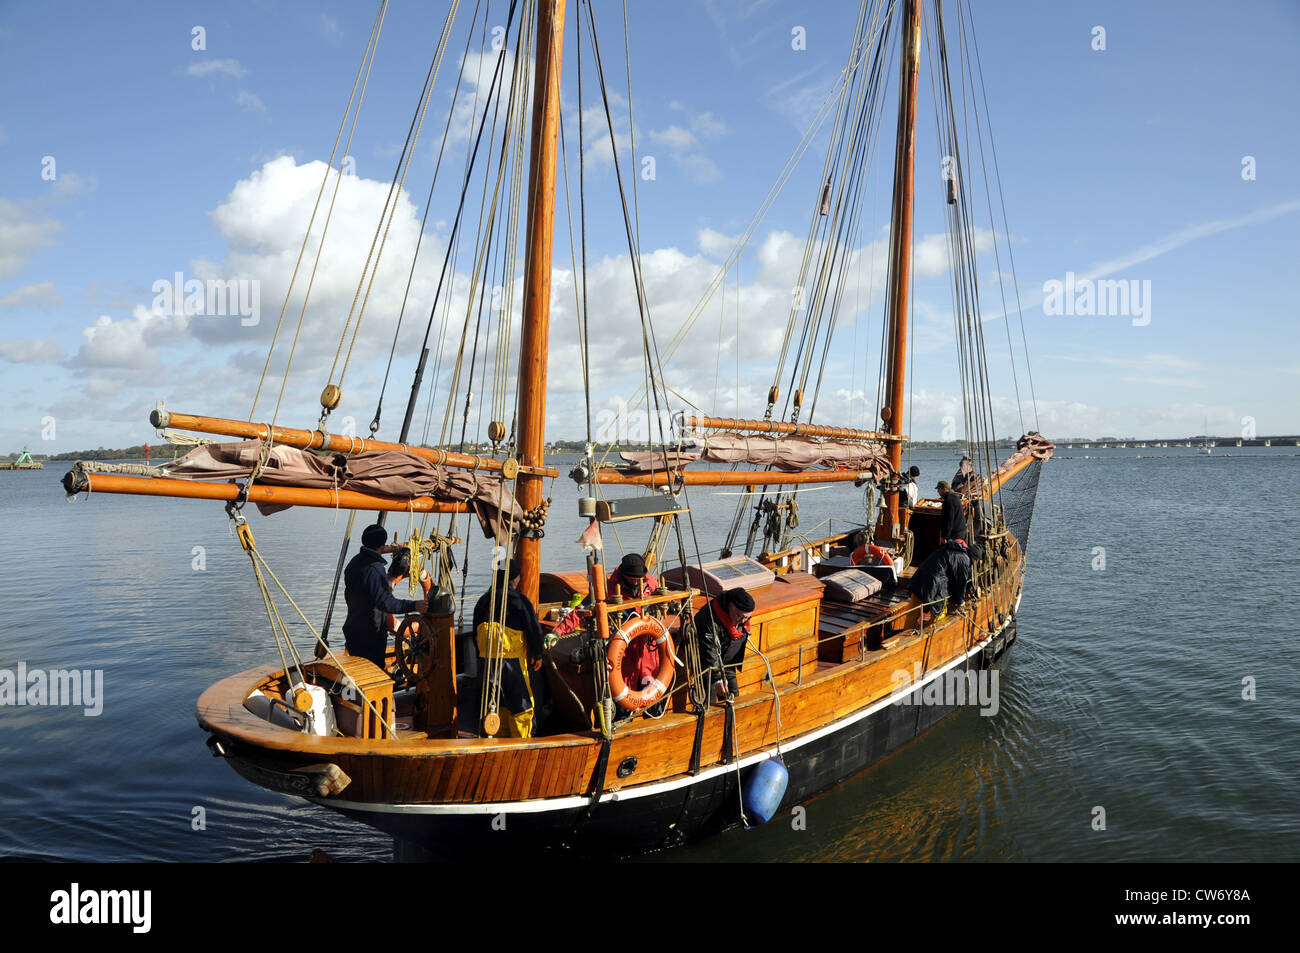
900,247
537,275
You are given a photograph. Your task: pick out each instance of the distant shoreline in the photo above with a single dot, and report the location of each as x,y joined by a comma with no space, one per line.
166,452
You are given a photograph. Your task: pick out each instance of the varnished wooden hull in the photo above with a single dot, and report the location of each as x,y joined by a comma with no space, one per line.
634,818
628,823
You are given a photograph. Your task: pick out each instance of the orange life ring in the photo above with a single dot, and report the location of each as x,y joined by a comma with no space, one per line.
640,627
862,553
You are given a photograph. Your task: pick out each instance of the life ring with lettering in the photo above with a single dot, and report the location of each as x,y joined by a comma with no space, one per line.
636,629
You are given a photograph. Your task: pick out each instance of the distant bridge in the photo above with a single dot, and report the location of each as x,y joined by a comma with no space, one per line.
1122,443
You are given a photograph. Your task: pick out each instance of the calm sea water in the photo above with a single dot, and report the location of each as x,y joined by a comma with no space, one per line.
1124,695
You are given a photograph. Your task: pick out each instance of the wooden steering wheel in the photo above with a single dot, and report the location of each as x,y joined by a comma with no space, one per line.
411,641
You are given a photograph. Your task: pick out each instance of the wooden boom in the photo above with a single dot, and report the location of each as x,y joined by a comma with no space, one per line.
320,440
729,477
778,426
277,495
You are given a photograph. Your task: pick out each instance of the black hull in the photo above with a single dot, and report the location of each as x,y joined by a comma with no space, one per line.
634,825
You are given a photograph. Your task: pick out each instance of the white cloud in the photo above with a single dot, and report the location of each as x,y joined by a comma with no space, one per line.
714,243
1187,235
1162,246
44,295
249,101
1140,361
477,71
1167,382
31,351
129,343
208,67
674,137
262,220
686,145
22,235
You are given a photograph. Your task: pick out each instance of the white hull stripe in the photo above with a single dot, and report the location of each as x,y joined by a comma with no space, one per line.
572,802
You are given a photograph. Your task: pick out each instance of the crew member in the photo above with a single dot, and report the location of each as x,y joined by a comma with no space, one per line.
399,567
632,580
965,470
722,630
517,642
913,491
369,596
952,520
942,579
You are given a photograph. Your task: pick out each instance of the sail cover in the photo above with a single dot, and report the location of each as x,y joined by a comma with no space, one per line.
1032,445
390,473
782,453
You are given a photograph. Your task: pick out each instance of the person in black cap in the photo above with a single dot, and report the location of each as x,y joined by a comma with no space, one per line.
722,630
632,579
506,628
369,596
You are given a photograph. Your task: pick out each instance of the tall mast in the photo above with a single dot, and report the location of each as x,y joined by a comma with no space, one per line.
900,243
537,275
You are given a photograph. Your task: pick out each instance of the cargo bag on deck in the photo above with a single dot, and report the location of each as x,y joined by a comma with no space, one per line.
851,585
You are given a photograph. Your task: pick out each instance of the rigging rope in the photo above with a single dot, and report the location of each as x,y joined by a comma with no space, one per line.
367,60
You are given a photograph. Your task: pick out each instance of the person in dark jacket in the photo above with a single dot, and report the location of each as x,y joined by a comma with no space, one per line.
942,578
632,581
722,631
506,628
369,596
952,521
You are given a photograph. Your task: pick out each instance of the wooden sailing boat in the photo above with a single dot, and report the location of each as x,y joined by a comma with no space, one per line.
824,693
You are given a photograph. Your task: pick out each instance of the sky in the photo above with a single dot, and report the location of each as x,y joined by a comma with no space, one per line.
1151,143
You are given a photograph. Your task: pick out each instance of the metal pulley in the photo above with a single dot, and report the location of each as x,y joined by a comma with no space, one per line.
330,396
496,431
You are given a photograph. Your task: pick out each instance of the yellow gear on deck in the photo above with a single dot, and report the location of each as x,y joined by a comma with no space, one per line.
495,640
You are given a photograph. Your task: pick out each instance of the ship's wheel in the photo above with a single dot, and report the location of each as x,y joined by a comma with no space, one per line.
411,643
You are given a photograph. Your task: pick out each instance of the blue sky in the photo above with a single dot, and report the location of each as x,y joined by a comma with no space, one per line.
1122,163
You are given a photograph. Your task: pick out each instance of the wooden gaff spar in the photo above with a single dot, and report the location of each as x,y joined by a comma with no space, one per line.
833,683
